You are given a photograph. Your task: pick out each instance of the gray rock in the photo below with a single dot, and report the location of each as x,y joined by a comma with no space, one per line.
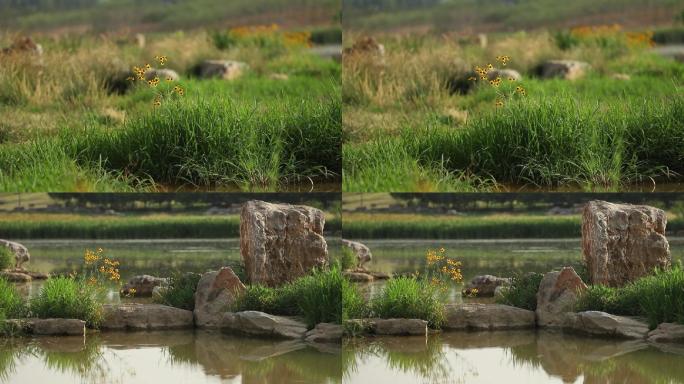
398,327
143,285
223,69
667,333
604,324
281,242
324,333
21,253
362,252
557,295
58,327
164,74
262,324
145,317
623,242
358,277
488,317
216,292
564,69
485,285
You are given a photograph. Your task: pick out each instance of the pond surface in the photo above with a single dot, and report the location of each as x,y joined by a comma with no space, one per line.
185,357
509,357
479,257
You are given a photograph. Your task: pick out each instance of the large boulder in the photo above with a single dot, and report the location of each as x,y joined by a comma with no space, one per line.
667,333
216,292
281,242
604,324
396,327
488,317
257,323
484,285
222,69
145,317
142,285
362,252
324,333
564,69
623,242
21,253
164,74
557,296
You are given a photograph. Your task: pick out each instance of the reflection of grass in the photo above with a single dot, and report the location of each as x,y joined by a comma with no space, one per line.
86,361
9,354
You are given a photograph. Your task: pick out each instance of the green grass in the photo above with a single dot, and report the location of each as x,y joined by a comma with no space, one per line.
658,297
354,306
68,298
407,297
180,292
6,258
523,291
59,226
316,298
12,305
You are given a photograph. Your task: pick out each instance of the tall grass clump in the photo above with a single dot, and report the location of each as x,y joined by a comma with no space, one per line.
68,298
317,298
658,297
408,297
6,258
180,292
354,306
11,303
522,292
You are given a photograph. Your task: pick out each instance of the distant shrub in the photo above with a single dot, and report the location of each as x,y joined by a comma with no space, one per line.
11,303
6,258
565,40
68,298
408,297
347,259
332,35
181,291
523,291
674,35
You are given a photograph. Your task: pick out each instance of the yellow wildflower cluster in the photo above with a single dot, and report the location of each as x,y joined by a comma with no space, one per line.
100,267
633,39
504,59
263,33
141,73
487,73
472,292
441,269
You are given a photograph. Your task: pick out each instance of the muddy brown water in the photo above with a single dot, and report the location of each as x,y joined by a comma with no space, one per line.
509,357
183,357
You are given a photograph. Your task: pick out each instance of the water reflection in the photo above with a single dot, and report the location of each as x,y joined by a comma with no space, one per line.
511,357
168,357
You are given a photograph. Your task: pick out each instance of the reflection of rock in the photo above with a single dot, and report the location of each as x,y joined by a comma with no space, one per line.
362,252
325,333
216,293
623,242
269,351
142,285
488,316
605,324
399,327
667,333
485,285
262,324
145,317
281,242
21,253
557,295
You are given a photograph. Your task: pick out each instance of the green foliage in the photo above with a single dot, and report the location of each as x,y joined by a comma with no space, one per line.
68,298
658,297
523,291
316,297
354,306
673,35
11,304
6,258
347,259
565,40
408,297
180,292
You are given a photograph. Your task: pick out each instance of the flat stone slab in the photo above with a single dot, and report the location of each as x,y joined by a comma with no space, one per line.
667,333
358,277
324,333
263,324
398,327
49,327
488,317
145,317
604,324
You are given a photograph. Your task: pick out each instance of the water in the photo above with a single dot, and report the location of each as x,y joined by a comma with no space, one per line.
509,357
166,357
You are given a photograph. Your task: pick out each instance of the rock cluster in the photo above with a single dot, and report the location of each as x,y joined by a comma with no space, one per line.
557,295
216,292
484,285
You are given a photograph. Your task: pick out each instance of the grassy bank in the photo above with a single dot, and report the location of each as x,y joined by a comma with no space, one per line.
58,226
413,122
414,226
